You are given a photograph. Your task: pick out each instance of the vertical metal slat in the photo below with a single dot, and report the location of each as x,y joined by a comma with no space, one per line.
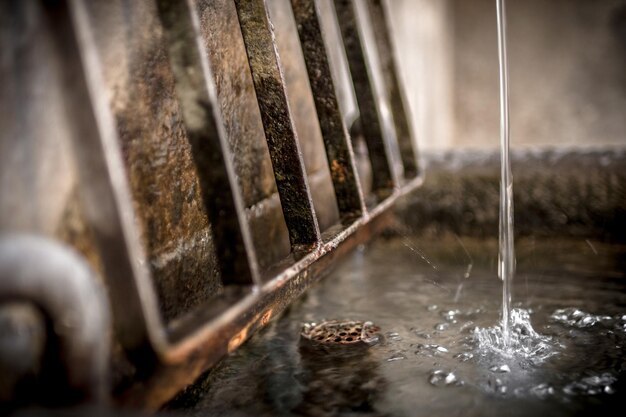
280,133
102,181
196,93
370,119
386,55
336,140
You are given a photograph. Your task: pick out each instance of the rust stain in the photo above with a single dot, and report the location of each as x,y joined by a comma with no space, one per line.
238,339
267,316
338,171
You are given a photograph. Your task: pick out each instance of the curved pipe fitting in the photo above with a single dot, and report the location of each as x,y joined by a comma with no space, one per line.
57,280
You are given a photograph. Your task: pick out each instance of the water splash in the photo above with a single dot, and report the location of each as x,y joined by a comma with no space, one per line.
523,341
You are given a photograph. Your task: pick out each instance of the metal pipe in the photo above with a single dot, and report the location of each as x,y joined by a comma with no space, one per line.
58,281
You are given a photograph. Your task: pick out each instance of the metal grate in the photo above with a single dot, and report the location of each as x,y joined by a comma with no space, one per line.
168,351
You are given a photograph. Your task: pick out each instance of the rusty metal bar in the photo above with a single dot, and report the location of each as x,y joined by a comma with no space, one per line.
280,133
196,94
336,140
102,179
387,58
370,117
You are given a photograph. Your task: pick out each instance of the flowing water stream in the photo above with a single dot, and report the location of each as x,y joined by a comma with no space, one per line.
506,252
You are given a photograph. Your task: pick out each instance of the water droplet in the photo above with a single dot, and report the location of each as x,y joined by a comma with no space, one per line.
591,385
450,315
498,386
574,317
432,307
440,378
542,390
500,369
430,350
393,336
398,356
464,356
442,326
466,326
422,334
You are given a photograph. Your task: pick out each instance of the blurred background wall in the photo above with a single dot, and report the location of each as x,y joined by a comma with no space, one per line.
567,62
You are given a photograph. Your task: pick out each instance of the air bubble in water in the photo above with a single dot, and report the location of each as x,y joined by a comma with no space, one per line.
440,378
542,390
430,350
450,315
500,369
442,326
398,356
393,336
498,386
577,318
464,357
591,385
422,334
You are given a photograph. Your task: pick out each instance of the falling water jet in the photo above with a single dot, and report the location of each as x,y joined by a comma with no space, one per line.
506,254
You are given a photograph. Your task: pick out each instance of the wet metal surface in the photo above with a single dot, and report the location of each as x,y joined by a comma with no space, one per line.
210,148
278,124
336,139
158,163
370,124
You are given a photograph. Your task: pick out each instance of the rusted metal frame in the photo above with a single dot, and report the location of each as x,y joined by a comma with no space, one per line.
397,99
280,133
383,176
211,342
336,139
103,185
106,198
197,96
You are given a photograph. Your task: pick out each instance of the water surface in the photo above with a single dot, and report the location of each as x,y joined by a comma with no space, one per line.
428,297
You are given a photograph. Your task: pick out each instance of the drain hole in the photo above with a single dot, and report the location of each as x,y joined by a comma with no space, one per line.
349,339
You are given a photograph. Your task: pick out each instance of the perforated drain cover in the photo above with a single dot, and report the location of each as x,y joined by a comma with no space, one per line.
341,332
